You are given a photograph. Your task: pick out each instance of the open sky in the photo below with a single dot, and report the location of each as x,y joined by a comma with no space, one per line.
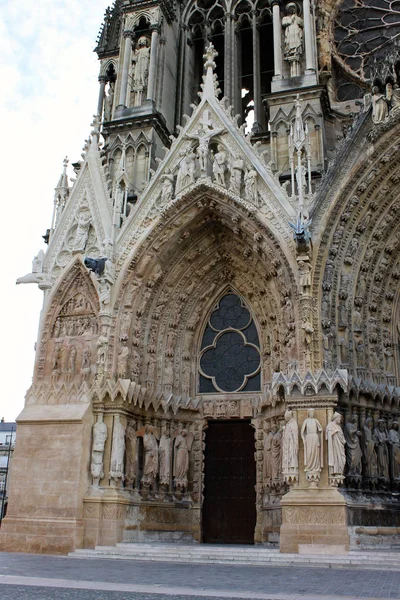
49,95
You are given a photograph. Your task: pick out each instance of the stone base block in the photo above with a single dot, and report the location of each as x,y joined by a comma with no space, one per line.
47,536
314,521
157,521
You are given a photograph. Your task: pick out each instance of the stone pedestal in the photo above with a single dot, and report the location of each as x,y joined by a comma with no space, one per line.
314,513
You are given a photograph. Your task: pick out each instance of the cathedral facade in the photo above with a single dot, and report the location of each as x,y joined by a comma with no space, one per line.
218,354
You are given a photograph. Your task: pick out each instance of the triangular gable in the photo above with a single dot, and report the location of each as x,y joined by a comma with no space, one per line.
90,201
216,120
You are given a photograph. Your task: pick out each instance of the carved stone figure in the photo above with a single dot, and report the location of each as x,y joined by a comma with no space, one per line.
250,185
108,103
380,108
86,360
167,188
72,360
276,454
353,448
382,452
150,446
305,276
301,182
182,445
237,168
220,165
290,449
100,435
82,232
204,135
394,446
370,461
123,357
268,435
117,451
130,454
186,170
311,434
293,44
141,59
165,459
395,101
336,450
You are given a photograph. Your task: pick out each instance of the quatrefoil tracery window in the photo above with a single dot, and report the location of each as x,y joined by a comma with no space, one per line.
230,350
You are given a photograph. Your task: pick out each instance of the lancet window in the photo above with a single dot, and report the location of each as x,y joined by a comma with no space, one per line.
230,350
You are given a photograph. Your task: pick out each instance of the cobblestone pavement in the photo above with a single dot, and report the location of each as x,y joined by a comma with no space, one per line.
42,577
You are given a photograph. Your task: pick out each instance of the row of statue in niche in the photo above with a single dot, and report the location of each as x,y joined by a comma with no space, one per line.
155,466
74,326
373,453
66,359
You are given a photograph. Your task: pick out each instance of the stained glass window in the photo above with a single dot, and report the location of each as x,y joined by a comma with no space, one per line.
230,356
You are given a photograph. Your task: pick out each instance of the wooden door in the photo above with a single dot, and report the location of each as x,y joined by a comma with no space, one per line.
229,510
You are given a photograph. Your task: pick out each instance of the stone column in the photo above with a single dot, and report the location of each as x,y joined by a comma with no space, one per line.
277,28
128,37
228,54
308,37
313,512
102,81
256,75
151,84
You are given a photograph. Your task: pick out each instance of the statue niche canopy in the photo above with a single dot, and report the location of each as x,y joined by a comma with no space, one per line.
230,349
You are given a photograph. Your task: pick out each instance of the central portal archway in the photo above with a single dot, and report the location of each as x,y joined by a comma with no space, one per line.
229,510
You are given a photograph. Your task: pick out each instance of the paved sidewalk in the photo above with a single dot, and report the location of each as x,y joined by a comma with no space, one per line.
41,577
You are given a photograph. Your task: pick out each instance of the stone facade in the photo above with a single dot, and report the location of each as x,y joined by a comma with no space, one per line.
198,272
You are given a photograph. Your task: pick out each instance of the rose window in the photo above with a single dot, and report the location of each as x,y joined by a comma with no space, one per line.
230,352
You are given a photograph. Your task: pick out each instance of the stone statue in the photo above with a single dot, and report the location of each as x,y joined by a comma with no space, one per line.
370,461
394,446
150,446
167,187
380,108
100,435
130,454
117,451
186,170
237,167
353,449
290,449
395,101
72,360
141,59
165,459
250,185
267,472
86,360
301,178
220,165
182,446
276,454
382,451
311,434
108,103
336,451
293,44
204,136
123,357
305,276
82,233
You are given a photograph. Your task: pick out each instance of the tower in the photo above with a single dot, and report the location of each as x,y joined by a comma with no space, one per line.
220,291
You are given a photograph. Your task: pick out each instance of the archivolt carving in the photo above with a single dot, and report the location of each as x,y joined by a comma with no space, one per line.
357,269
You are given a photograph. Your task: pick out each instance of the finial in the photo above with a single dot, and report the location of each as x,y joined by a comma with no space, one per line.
65,163
209,55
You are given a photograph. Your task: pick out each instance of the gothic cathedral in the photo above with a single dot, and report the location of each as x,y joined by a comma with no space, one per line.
218,355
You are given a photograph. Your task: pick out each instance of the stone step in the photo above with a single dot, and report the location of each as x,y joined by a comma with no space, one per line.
245,555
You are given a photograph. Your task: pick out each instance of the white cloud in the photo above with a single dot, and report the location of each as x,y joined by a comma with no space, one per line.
48,98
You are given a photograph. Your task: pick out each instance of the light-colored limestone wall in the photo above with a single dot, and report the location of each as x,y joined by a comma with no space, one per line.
49,479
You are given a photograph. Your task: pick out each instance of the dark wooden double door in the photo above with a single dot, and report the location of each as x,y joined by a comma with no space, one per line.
229,509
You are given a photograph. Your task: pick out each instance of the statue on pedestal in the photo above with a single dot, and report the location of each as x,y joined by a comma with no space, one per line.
290,449
336,451
100,435
293,44
311,433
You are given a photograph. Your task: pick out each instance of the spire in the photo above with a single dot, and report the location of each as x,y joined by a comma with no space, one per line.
210,87
61,193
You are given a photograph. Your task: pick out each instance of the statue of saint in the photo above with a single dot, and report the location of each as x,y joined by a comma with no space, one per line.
182,446
293,43
167,187
141,60
276,453
237,167
165,458
100,435
130,454
82,232
118,450
352,437
382,451
336,451
267,453
380,108
219,165
311,434
150,447
394,445
290,448
72,360
108,103
250,185
370,461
